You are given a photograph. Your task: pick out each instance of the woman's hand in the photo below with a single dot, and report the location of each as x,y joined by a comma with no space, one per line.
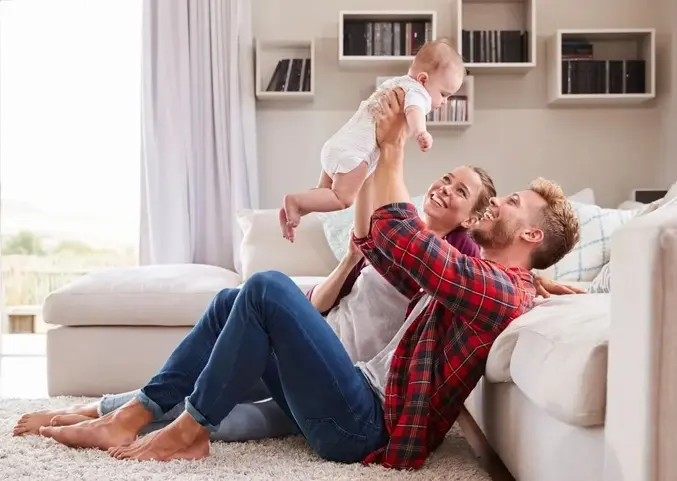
353,254
391,124
546,287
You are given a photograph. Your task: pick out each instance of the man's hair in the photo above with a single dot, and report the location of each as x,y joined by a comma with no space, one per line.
488,190
558,221
438,54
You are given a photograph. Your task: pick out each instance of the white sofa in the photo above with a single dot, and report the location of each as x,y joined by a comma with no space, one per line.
582,388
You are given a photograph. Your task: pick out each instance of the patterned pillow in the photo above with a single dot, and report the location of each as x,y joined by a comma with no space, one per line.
337,226
592,252
602,283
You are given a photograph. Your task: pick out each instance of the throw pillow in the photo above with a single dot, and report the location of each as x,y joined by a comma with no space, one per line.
337,226
602,283
592,252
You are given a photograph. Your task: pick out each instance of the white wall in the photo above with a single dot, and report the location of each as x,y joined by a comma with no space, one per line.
515,136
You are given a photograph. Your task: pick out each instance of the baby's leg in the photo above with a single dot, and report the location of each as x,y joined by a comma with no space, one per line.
329,196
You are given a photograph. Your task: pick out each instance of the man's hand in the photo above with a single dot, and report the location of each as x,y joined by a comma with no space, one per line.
391,124
547,287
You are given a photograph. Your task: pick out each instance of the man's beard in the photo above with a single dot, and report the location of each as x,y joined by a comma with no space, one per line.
498,236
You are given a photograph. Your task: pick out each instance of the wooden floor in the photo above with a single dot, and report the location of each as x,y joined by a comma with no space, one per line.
23,374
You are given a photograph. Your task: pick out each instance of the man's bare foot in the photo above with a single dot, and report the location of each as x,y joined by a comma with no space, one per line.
182,439
287,232
117,428
30,423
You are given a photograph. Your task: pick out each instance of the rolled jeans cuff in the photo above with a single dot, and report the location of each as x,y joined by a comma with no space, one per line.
150,405
199,418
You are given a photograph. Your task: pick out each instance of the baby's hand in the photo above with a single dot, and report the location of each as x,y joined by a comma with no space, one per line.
425,141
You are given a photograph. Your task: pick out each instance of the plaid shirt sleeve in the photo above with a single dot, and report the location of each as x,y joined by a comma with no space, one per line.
471,287
386,267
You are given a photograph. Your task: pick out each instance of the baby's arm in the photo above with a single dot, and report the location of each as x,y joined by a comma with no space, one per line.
415,120
416,105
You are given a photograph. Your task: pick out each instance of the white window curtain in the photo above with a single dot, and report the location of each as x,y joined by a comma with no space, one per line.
199,130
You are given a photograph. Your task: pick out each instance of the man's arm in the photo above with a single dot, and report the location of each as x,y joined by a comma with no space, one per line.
472,287
364,207
479,290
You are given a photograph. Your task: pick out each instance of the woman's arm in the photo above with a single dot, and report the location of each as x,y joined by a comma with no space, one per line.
364,207
325,295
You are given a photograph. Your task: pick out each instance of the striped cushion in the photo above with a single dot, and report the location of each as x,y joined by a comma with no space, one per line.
592,252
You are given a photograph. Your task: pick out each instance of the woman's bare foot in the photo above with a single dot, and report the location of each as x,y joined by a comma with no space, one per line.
182,439
69,419
30,423
117,428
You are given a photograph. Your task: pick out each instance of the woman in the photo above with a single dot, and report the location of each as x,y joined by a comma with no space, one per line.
361,307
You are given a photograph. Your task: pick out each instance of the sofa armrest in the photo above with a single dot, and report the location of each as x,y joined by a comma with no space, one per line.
641,415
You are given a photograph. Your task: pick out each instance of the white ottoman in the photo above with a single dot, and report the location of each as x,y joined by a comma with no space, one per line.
118,326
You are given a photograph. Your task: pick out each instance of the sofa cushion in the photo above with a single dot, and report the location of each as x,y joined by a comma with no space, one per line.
159,295
263,248
556,354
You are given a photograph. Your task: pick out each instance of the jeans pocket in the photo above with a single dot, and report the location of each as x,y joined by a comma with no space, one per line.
333,443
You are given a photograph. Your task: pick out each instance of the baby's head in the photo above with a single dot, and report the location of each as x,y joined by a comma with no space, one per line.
439,68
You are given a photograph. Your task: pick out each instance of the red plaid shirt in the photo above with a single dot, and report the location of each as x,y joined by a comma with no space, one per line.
443,354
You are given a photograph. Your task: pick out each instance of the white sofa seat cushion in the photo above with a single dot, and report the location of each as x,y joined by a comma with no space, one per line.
557,355
159,295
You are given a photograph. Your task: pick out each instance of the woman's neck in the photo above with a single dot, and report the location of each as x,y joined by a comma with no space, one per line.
436,229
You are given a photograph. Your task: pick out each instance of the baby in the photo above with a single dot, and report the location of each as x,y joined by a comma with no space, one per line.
351,154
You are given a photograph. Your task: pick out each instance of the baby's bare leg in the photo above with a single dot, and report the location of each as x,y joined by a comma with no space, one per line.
338,195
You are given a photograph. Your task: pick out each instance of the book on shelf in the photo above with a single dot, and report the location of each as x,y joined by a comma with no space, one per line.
455,110
371,38
291,75
582,74
495,46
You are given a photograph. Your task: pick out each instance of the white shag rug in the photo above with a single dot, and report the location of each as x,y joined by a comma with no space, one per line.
35,458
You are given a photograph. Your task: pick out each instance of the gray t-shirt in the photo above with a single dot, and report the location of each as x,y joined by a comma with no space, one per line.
376,370
369,316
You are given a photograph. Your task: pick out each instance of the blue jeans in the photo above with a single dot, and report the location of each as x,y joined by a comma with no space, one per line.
256,418
269,331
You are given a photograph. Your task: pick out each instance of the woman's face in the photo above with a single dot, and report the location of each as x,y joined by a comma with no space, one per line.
450,200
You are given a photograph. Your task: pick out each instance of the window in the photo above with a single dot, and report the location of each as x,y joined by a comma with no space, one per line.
70,78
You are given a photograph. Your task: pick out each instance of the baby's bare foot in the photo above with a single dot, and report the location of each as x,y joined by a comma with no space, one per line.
292,211
287,232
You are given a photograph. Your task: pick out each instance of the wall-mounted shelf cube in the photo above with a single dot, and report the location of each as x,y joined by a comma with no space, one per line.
377,38
601,67
459,111
497,36
285,70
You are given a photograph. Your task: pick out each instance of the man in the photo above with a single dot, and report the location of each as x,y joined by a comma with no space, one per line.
394,409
